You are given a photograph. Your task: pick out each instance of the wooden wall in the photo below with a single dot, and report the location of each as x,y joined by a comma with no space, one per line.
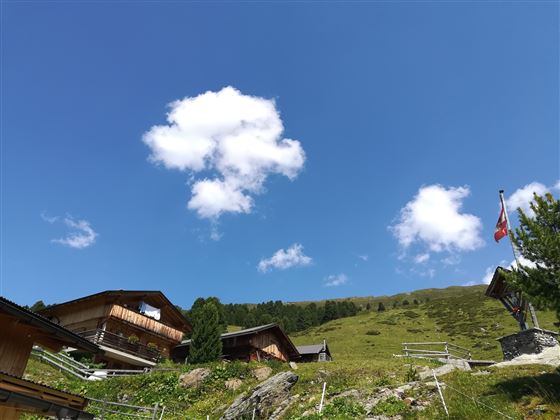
146,322
268,343
15,345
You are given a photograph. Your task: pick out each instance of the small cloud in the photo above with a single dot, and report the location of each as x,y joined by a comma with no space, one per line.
363,257
335,280
524,262
283,259
421,258
452,259
488,274
81,233
433,219
522,198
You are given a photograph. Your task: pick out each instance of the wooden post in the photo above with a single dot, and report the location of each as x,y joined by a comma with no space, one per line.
322,397
440,393
156,408
103,409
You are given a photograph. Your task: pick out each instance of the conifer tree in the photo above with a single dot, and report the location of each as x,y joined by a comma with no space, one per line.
538,240
206,345
380,307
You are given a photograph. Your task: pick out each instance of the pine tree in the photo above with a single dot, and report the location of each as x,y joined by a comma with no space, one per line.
538,240
380,307
206,345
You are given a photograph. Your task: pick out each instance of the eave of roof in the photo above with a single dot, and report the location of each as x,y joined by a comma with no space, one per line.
39,321
173,308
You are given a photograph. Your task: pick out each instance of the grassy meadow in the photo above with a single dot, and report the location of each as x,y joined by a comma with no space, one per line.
363,347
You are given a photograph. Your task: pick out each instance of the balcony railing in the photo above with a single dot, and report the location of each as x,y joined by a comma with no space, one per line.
117,342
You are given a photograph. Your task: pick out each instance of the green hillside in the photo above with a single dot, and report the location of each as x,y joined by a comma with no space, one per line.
363,347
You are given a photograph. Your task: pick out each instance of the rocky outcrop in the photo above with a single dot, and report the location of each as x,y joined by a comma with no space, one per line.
264,399
194,378
549,356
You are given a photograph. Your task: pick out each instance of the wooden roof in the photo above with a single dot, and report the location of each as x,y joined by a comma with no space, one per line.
51,331
498,287
156,298
36,398
313,349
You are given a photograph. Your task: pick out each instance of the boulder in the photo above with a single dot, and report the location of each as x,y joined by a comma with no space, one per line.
439,371
293,365
264,399
194,378
233,384
262,373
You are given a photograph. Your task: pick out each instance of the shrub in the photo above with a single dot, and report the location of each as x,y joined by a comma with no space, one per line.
373,332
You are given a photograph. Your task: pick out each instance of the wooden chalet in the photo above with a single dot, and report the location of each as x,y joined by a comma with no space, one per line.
265,342
20,330
132,328
314,353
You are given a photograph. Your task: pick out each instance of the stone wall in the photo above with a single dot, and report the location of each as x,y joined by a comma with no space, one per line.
531,341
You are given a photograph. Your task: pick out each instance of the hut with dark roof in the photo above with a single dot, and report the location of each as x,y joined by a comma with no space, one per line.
264,342
315,353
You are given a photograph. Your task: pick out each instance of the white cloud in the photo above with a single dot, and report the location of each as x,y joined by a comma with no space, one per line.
433,218
524,262
81,233
335,280
283,259
236,137
488,274
363,257
523,196
421,258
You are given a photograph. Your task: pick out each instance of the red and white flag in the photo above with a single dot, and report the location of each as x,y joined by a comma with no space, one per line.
501,226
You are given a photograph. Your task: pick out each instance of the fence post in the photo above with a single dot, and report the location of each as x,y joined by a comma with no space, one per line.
162,410
156,408
322,397
447,350
440,393
103,406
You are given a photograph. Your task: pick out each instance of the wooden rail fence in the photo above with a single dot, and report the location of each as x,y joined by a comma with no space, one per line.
435,350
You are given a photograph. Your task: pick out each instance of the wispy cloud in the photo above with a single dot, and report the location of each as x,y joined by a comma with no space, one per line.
421,258
81,235
363,257
236,138
283,259
335,280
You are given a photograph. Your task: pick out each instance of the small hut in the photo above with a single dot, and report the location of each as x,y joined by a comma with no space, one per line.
315,353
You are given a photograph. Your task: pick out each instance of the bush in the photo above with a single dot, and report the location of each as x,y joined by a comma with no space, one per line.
373,332
411,314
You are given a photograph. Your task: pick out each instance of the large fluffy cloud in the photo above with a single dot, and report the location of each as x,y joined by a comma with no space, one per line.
234,137
522,197
433,218
282,259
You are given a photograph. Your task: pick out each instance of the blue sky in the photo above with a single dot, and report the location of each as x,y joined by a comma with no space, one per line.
428,107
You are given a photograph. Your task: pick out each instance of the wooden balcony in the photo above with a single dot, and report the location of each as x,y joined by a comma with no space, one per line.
145,322
117,342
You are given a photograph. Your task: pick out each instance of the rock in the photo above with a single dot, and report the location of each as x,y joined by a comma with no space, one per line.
283,407
194,378
550,356
440,371
233,384
409,401
351,393
293,365
262,373
264,399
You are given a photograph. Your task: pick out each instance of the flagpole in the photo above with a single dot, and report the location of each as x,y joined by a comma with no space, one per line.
531,309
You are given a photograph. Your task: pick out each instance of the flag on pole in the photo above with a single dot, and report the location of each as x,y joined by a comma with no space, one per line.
501,226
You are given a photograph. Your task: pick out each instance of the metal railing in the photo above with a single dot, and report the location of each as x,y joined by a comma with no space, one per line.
117,342
436,350
67,364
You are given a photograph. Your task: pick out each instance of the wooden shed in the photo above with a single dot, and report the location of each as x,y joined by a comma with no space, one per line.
264,342
20,330
132,327
315,353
